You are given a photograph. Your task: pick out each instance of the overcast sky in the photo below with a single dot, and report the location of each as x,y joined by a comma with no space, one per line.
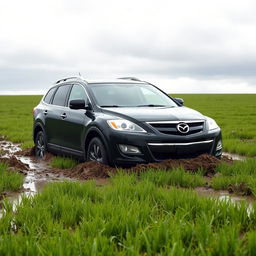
188,46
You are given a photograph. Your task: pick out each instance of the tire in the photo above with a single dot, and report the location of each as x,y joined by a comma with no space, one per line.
40,145
96,151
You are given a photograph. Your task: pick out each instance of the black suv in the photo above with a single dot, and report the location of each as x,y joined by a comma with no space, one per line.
121,122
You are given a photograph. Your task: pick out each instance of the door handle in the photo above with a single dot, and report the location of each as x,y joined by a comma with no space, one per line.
64,115
45,112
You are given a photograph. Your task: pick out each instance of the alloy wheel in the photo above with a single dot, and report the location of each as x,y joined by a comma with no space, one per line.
95,153
40,146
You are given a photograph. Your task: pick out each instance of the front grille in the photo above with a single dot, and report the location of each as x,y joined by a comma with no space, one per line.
162,151
178,155
170,128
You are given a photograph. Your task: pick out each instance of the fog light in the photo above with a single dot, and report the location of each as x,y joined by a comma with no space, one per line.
219,145
127,149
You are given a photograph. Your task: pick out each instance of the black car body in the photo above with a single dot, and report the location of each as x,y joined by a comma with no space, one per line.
81,118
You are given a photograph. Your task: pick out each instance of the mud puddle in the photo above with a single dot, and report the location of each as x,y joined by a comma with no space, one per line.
234,156
224,195
36,173
39,173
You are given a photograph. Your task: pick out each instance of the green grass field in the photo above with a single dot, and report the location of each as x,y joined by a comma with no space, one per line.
155,213
126,217
236,114
16,118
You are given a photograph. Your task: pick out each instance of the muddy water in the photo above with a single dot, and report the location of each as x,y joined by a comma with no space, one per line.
234,156
38,173
224,195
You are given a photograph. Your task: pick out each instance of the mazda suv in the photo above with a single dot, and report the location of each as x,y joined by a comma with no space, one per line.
121,122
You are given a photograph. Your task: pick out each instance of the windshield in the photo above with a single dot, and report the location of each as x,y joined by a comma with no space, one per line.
130,95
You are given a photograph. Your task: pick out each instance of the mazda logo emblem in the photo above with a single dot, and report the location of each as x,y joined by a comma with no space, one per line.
183,128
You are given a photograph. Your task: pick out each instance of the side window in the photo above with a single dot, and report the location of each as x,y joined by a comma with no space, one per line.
61,95
48,96
78,93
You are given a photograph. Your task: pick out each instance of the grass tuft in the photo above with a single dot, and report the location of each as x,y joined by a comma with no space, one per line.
174,177
9,180
63,162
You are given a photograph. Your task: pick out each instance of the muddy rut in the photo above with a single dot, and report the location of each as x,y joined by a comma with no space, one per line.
39,172
25,162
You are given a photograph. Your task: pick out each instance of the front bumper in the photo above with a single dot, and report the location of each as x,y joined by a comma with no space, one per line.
156,147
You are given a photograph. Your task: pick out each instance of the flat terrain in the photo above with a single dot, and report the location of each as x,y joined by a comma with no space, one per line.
16,118
236,114
172,208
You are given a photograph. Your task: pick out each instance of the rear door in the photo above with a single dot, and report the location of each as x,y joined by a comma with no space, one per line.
76,121
56,116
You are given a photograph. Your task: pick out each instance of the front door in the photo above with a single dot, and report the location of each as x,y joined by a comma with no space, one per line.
74,125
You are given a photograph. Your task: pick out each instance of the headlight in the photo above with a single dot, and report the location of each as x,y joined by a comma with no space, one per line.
212,125
124,126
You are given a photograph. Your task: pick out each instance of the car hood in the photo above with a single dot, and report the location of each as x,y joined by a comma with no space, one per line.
147,114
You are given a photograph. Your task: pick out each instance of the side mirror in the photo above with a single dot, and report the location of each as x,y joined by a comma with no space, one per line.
180,101
78,104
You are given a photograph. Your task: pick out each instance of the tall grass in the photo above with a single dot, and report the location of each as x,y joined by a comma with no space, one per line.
247,167
126,217
63,162
9,180
240,176
174,177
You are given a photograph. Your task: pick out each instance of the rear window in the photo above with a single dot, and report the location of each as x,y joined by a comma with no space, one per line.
61,95
48,96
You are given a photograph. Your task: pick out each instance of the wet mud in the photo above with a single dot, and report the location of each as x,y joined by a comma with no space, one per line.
224,195
25,161
36,172
92,170
39,172
233,156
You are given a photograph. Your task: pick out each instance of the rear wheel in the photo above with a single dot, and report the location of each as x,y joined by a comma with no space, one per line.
40,145
97,152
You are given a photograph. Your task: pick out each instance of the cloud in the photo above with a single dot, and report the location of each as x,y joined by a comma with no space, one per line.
202,46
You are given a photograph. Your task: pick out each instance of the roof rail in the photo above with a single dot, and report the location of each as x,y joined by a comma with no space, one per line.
68,78
130,78
135,79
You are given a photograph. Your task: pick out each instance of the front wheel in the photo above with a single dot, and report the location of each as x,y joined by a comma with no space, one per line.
40,145
97,152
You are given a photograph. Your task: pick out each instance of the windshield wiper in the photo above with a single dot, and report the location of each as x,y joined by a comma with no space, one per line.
151,105
110,106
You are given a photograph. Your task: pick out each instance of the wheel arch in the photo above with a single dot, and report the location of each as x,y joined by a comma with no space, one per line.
92,133
37,128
